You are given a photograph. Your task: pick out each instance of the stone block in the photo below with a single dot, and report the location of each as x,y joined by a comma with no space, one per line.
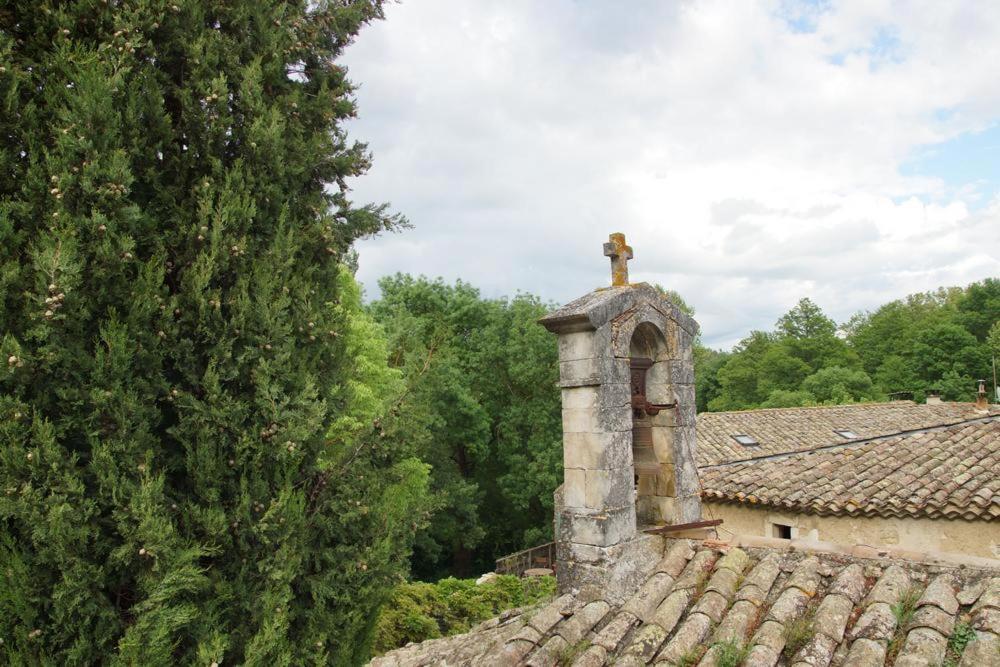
685,394
577,345
614,394
647,510
661,393
603,339
665,418
580,397
574,487
681,372
663,443
579,420
686,410
686,440
616,418
598,529
686,475
609,488
613,370
659,374
579,372
666,484
580,553
595,451
600,420
685,346
647,485
680,509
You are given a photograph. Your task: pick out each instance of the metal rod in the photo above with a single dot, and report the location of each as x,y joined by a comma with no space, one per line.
676,528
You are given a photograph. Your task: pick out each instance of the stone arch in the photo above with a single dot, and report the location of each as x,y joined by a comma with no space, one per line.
650,354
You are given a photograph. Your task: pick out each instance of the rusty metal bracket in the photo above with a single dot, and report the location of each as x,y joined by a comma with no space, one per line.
678,527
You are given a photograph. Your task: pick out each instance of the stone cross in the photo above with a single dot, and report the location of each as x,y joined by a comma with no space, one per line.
620,254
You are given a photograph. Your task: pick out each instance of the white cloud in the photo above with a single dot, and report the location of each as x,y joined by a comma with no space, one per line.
748,161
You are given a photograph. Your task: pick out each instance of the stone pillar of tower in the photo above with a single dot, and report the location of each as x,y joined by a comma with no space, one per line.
607,475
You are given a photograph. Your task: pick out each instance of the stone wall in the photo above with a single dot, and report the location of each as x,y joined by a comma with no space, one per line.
964,537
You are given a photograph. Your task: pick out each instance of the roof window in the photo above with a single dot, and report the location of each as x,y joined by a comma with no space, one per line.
746,440
846,433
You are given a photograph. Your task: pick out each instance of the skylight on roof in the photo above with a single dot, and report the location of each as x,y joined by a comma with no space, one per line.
746,440
845,433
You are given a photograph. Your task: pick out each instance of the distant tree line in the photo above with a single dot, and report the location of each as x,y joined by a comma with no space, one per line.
939,341
481,406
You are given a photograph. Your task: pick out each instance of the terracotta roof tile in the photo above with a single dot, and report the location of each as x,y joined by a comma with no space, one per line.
750,597
782,430
951,472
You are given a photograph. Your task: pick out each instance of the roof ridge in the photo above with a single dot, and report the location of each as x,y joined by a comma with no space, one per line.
862,404
864,551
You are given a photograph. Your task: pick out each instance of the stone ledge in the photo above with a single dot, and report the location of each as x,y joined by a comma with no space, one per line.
942,558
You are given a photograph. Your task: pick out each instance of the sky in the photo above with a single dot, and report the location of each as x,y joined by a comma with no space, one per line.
753,153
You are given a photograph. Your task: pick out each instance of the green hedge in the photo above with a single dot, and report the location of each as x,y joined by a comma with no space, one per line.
418,611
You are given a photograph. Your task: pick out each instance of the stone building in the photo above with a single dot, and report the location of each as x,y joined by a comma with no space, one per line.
920,477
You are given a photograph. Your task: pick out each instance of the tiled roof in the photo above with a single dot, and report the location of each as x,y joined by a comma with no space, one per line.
772,606
780,430
951,472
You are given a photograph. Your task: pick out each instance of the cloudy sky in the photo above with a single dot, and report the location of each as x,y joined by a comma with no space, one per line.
752,152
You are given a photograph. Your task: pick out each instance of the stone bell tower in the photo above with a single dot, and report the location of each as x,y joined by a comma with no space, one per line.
626,372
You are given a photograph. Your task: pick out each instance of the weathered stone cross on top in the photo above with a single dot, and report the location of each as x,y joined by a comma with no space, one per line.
620,254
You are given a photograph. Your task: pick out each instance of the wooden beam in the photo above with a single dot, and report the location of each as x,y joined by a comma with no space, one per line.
677,527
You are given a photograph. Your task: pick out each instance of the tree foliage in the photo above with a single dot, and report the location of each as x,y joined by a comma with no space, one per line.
196,451
419,611
936,340
482,375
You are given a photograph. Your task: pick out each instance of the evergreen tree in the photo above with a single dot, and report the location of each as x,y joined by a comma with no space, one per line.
192,463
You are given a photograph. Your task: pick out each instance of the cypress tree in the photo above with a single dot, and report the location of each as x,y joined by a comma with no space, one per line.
193,465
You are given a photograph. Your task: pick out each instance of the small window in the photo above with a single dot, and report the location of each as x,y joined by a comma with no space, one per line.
746,440
850,435
781,531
